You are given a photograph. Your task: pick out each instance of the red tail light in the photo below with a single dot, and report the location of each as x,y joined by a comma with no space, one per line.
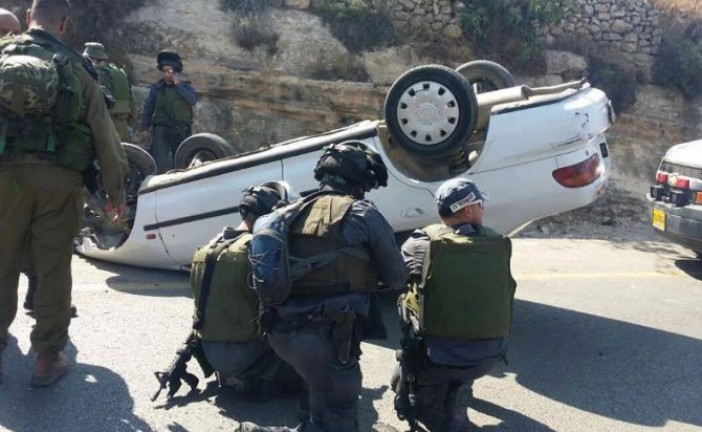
682,184
579,175
661,178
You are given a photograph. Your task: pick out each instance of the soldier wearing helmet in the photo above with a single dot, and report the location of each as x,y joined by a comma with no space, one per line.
226,309
455,339
113,79
167,117
319,328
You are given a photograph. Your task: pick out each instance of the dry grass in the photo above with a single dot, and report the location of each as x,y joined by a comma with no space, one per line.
677,16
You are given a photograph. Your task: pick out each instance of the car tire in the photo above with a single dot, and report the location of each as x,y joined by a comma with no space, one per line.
486,75
437,121
200,148
140,159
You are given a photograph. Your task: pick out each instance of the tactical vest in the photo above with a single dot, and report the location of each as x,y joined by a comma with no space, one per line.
467,287
171,109
317,231
37,114
232,307
115,80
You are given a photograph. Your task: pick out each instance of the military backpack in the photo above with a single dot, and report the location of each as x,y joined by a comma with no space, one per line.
115,80
40,102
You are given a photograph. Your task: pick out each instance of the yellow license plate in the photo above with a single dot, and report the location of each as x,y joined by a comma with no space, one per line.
659,219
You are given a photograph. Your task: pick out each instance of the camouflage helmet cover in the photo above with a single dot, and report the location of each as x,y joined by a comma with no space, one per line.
28,84
95,50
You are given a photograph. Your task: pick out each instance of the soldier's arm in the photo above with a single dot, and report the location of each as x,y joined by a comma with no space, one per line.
379,237
186,90
149,106
110,154
133,115
414,251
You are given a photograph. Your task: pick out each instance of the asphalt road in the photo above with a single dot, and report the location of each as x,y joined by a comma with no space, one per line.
607,337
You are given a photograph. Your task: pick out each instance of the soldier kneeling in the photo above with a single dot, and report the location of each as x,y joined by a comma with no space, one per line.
457,314
226,337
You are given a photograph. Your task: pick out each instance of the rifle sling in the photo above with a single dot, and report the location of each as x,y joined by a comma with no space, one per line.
210,263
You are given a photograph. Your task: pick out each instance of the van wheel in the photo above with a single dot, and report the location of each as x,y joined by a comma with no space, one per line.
200,148
486,75
431,110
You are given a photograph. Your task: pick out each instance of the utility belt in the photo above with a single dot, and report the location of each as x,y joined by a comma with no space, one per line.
345,333
72,149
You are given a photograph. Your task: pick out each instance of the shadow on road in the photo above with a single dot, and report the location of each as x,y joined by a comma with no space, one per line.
145,282
98,394
611,368
692,267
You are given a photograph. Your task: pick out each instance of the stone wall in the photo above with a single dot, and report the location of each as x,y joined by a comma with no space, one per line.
624,31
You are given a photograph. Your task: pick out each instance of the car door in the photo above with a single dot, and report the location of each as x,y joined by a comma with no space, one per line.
191,213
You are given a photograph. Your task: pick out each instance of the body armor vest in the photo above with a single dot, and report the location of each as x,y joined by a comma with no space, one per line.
232,307
115,80
171,109
317,231
467,289
42,115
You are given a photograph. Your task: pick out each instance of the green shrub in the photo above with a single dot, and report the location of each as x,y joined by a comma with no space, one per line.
679,65
619,83
507,29
357,24
253,31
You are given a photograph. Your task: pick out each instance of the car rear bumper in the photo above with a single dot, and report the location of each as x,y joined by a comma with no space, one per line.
683,225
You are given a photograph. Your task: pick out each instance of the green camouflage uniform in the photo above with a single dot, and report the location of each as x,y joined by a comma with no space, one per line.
124,111
41,205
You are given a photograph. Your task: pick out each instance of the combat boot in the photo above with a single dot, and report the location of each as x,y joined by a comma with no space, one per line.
50,366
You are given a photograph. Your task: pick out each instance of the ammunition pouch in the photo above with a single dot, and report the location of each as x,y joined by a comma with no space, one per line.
345,334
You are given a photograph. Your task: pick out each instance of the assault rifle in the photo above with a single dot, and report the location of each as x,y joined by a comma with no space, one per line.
178,370
406,398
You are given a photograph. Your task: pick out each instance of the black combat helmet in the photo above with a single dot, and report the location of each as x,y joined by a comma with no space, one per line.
354,163
171,58
260,200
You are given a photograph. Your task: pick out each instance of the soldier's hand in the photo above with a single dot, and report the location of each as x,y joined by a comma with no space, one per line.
115,212
144,136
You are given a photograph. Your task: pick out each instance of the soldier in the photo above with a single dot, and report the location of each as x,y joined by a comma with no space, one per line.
9,24
168,110
53,119
227,309
464,290
114,80
319,328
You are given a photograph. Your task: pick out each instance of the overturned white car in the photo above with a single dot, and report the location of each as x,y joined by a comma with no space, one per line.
535,151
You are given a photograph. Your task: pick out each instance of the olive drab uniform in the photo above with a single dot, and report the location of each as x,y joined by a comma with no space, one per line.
48,134
114,79
229,329
455,318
